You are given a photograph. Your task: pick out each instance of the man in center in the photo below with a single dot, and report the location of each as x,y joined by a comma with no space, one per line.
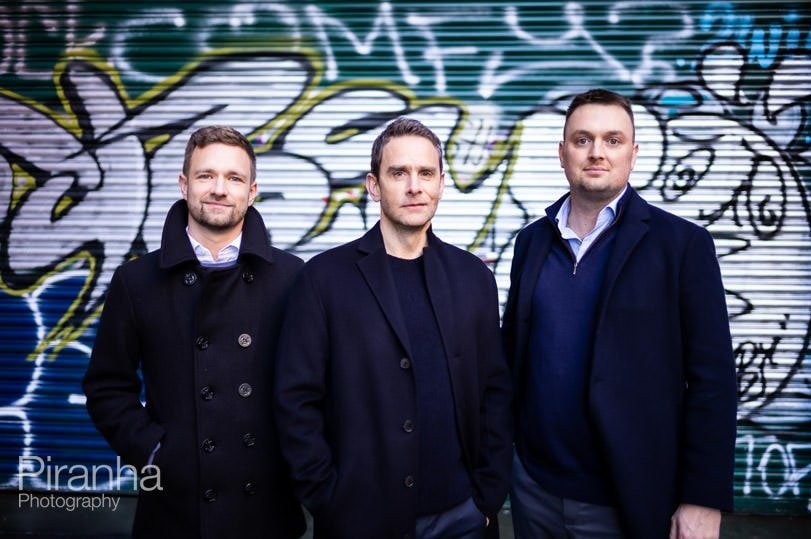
393,395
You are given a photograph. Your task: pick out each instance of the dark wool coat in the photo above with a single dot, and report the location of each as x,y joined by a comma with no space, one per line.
345,387
662,387
204,340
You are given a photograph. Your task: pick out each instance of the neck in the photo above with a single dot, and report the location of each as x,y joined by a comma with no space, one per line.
212,240
405,243
583,214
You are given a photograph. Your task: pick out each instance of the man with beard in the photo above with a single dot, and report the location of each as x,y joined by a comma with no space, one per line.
393,396
200,318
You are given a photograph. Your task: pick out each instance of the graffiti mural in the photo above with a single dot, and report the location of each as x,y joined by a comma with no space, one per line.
98,100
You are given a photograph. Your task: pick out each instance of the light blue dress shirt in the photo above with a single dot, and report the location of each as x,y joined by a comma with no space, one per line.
604,219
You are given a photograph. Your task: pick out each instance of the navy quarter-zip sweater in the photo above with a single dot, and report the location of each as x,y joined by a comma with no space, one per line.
556,440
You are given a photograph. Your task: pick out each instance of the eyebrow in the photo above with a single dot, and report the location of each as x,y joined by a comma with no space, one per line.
212,171
612,133
396,168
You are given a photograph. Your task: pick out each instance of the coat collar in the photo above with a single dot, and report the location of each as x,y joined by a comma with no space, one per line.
176,248
632,225
376,271
632,216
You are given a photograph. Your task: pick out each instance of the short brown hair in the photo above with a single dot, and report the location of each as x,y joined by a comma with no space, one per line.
401,127
598,96
218,134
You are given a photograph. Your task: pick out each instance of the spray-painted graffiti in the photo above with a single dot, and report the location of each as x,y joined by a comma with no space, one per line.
722,118
773,468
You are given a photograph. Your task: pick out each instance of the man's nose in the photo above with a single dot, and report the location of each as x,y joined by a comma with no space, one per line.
414,183
596,150
218,187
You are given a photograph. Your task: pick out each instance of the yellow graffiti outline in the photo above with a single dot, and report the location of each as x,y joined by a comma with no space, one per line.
509,151
22,182
63,332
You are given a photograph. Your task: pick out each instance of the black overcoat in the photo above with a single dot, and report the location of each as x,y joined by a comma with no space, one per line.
345,387
204,340
662,387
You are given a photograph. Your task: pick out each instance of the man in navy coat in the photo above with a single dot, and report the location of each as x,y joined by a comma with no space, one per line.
200,318
392,393
618,337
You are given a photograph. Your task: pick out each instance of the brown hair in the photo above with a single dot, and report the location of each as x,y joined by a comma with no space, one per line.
598,96
218,134
402,127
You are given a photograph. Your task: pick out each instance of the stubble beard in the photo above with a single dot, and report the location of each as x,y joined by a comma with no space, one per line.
218,222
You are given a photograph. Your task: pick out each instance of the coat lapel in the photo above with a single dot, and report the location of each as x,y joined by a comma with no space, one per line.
538,248
439,287
375,270
632,227
534,257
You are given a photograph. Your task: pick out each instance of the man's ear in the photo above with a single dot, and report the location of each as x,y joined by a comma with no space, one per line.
183,183
373,187
252,192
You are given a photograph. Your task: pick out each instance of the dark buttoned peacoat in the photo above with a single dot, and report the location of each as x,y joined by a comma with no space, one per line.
346,396
662,386
204,340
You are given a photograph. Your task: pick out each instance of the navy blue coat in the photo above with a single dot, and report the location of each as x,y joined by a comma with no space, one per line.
345,387
662,387
207,385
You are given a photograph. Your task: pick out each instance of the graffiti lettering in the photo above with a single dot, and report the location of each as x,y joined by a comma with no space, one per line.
762,43
17,27
782,468
384,19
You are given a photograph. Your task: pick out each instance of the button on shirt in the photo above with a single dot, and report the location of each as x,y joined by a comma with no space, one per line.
604,220
227,256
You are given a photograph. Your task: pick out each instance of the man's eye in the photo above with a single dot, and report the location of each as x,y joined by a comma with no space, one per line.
236,178
613,141
582,140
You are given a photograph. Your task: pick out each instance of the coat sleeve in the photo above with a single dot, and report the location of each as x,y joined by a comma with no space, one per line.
112,384
300,393
492,472
708,438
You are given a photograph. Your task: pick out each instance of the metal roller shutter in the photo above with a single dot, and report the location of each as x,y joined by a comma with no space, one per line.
97,100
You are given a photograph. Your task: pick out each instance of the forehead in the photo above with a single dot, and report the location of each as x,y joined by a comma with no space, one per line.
596,118
409,150
218,155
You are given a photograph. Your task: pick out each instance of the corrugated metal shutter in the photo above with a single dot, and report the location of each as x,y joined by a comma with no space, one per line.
98,100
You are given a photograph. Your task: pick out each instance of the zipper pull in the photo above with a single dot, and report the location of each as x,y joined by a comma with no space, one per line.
574,269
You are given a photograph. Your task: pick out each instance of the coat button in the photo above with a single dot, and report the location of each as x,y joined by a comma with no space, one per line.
247,276
245,389
207,393
408,425
208,445
249,488
189,278
405,363
249,439
201,342
244,340
409,481
209,495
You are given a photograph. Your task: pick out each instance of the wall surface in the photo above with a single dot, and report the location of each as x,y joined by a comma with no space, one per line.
97,100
